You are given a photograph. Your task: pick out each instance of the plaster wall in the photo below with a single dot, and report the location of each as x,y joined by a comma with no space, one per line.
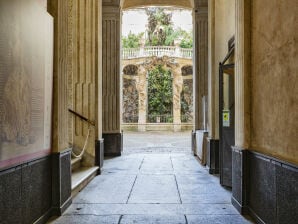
274,106
224,30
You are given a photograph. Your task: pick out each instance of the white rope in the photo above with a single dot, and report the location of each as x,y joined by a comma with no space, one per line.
84,148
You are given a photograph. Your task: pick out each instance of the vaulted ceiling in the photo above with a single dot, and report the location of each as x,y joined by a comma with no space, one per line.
126,4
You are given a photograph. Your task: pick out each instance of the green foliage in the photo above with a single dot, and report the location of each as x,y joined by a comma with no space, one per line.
186,39
160,92
161,30
132,40
160,27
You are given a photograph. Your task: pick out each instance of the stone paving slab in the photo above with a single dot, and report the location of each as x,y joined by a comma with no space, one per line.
217,219
152,209
87,219
152,219
156,162
107,189
155,189
159,188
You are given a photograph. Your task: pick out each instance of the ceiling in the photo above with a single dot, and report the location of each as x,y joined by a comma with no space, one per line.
127,4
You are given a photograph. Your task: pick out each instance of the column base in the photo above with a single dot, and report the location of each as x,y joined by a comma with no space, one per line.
239,179
113,144
212,160
61,184
99,154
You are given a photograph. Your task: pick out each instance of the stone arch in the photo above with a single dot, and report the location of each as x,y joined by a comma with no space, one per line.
187,94
130,94
130,69
187,70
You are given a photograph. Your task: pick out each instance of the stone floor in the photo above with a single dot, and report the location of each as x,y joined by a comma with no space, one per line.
153,187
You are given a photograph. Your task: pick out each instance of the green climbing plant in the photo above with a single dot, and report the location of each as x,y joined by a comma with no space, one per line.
160,92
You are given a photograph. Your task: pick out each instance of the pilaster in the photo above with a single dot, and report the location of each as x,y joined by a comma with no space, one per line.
242,104
200,16
242,74
212,124
59,10
111,74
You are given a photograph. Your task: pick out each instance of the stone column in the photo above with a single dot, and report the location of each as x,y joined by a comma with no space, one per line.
200,17
61,157
177,88
242,104
141,83
242,74
212,74
59,10
111,77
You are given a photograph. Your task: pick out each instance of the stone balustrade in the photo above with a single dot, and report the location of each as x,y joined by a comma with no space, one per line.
159,51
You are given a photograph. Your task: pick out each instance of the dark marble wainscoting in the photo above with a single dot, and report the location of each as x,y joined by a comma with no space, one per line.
26,192
61,165
239,179
212,156
264,187
99,154
113,144
193,141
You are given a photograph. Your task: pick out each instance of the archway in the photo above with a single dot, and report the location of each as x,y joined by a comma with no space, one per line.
111,66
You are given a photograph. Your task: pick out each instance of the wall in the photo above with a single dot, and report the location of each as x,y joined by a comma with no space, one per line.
26,54
224,29
274,91
25,81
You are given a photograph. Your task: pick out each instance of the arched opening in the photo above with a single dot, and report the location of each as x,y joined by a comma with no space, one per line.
159,45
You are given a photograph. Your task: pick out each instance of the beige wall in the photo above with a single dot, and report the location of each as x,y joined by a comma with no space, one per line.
274,78
224,29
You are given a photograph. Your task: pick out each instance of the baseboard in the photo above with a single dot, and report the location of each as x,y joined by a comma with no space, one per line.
112,154
255,217
44,218
212,156
58,211
113,144
212,171
99,154
241,209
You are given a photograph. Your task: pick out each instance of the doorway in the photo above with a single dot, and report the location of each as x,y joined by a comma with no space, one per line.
226,116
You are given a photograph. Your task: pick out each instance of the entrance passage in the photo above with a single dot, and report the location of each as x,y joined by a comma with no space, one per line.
148,185
156,142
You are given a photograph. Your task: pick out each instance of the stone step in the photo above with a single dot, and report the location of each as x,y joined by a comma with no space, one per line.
81,177
75,163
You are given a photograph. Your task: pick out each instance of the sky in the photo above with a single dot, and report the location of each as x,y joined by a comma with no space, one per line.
135,21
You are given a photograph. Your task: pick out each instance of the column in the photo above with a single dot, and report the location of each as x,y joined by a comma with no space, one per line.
141,83
111,77
59,10
177,88
61,157
200,16
242,74
242,104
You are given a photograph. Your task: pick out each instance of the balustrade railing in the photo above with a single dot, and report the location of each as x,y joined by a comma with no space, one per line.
159,51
